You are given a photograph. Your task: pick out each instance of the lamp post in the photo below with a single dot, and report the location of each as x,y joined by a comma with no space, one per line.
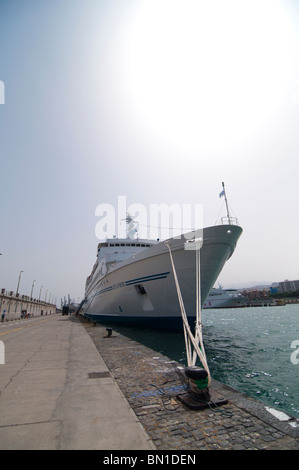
19,282
18,289
32,293
32,288
40,291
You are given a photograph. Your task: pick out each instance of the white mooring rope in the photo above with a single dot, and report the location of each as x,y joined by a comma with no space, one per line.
189,337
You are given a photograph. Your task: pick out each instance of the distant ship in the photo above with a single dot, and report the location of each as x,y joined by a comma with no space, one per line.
224,298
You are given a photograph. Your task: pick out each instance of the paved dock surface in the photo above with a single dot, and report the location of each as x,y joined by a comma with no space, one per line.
66,385
57,392
151,384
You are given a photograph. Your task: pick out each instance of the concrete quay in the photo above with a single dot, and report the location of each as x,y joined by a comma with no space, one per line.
151,384
65,385
57,392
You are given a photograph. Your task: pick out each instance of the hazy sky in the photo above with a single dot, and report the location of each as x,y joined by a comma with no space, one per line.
155,100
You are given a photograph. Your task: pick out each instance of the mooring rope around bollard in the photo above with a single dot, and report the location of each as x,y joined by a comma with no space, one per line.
189,337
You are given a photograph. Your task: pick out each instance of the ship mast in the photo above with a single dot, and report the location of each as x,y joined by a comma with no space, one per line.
224,193
131,226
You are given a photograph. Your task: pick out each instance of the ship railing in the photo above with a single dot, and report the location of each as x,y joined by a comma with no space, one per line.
229,221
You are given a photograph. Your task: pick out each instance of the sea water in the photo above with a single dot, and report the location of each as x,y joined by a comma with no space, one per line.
251,349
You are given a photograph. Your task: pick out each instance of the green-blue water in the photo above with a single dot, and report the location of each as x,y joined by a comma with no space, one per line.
247,348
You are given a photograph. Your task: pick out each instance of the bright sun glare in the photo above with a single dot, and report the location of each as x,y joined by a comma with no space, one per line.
207,73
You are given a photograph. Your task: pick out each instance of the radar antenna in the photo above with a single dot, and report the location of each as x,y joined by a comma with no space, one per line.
132,226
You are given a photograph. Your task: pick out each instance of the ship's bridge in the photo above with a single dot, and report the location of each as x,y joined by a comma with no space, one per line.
116,250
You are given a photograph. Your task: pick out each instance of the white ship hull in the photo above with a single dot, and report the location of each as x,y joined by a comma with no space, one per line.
141,290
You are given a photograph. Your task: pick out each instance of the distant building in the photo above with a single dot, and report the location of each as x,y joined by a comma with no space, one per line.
255,294
288,286
16,306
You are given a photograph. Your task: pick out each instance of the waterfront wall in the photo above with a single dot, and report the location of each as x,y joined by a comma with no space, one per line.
16,306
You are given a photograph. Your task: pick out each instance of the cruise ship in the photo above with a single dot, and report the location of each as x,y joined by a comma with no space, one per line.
224,298
132,281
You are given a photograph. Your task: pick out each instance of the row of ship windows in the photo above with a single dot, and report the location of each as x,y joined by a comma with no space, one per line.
130,244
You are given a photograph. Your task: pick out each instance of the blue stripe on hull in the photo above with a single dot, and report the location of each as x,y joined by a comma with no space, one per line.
167,323
153,277
131,283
